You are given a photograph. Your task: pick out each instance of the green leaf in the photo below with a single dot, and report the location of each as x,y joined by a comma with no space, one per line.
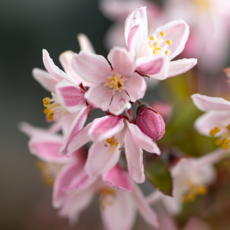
157,173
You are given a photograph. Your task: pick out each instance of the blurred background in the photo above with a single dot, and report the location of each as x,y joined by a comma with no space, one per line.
27,27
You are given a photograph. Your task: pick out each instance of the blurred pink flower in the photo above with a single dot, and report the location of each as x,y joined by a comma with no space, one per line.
108,134
164,109
216,120
153,54
190,178
114,87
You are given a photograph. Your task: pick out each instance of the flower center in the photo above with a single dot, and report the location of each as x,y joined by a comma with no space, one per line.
155,42
113,144
224,138
202,5
116,82
193,192
53,107
107,196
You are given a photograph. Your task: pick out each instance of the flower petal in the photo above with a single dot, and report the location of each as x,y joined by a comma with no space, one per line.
85,43
120,214
180,66
134,156
105,127
206,103
122,61
142,140
77,136
155,66
66,61
46,80
195,223
91,67
137,17
70,96
119,103
136,87
178,32
52,68
210,120
99,160
144,208
99,96
118,178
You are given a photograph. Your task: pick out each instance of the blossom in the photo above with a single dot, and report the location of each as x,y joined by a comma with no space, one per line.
108,134
215,121
190,176
113,87
120,199
66,87
154,53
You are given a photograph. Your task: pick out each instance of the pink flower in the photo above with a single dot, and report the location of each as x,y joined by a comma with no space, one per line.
108,134
68,94
154,53
120,198
114,87
190,178
216,120
164,109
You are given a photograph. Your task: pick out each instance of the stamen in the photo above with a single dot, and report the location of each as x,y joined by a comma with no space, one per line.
162,33
46,101
169,42
151,37
116,82
167,52
214,131
113,144
218,141
228,127
107,196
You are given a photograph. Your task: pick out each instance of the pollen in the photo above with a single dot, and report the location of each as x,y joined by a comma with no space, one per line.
113,144
116,82
214,131
162,33
151,37
218,141
169,42
167,52
46,101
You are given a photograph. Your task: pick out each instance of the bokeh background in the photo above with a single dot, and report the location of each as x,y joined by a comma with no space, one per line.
27,27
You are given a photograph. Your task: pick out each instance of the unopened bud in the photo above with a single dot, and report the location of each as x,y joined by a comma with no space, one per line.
150,122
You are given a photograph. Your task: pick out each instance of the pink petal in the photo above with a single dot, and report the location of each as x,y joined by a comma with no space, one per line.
144,208
99,96
99,160
105,127
136,87
66,61
206,103
178,32
120,214
180,66
137,17
142,140
46,80
46,147
70,96
122,61
52,68
85,43
30,130
198,224
134,155
91,67
76,132
119,103
155,66
70,177
210,120
118,178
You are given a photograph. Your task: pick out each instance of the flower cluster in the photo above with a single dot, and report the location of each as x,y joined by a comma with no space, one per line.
105,157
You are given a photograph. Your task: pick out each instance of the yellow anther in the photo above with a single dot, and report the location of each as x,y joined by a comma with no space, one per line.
226,141
115,82
50,115
46,101
218,141
155,52
167,52
113,144
201,190
228,127
151,37
169,42
225,147
46,111
157,48
107,196
150,46
214,131
162,33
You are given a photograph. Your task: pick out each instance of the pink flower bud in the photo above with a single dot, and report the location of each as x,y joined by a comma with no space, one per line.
150,122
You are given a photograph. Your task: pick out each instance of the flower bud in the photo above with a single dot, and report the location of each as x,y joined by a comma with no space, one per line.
150,122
